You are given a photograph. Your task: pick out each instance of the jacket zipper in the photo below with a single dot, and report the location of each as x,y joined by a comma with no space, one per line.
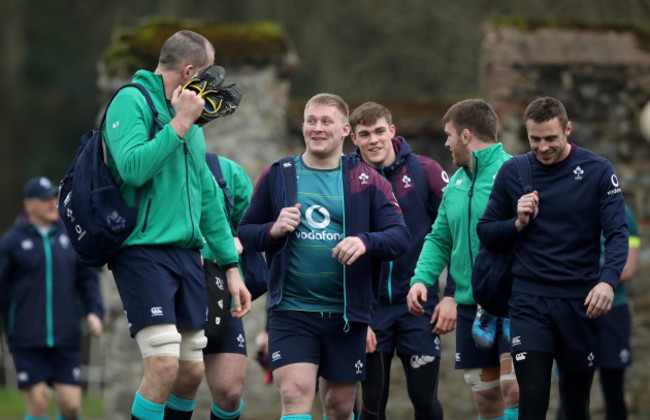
390,265
187,188
346,323
48,290
470,194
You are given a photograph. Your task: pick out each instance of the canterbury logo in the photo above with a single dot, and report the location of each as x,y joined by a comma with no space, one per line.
156,311
418,361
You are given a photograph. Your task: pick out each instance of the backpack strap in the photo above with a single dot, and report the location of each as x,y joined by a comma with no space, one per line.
155,125
523,166
420,181
155,122
289,177
215,168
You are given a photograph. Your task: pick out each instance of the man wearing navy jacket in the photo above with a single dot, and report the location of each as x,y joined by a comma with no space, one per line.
326,221
559,290
418,183
42,283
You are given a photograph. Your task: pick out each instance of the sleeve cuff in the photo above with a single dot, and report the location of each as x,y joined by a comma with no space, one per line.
229,266
610,277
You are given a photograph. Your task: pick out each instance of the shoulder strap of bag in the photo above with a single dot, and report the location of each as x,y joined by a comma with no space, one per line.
215,168
155,124
523,166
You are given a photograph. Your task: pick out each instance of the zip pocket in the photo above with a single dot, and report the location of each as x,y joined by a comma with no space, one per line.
146,215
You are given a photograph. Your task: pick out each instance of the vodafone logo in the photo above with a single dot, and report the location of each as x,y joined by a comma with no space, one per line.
321,213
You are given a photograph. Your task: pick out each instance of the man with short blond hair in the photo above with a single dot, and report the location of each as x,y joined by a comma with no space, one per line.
326,222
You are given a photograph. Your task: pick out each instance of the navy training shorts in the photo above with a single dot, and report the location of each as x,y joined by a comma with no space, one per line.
233,342
318,338
160,285
558,326
614,334
51,365
397,329
468,356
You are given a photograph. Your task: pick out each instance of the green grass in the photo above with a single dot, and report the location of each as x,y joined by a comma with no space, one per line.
13,406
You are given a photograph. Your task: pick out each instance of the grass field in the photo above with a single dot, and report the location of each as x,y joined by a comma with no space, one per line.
12,406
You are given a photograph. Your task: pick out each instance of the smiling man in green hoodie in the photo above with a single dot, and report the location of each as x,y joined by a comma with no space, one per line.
471,129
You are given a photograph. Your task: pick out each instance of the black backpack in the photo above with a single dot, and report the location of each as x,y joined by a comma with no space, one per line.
492,270
94,213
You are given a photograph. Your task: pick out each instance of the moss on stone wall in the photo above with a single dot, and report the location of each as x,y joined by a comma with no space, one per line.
522,24
139,47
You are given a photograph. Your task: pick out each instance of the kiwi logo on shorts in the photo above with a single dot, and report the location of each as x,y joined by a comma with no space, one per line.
325,217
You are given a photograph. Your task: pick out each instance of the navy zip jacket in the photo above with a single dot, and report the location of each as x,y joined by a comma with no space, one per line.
41,284
559,253
371,213
418,192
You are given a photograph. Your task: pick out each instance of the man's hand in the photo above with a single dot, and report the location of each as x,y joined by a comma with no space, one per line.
238,245
371,341
241,297
95,324
417,293
599,300
348,250
188,106
287,221
527,205
444,316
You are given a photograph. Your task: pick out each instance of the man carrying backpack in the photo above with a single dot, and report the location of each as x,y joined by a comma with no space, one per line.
158,270
559,287
418,183
471,128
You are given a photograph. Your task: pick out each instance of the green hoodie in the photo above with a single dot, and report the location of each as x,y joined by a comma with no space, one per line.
180,203
453,240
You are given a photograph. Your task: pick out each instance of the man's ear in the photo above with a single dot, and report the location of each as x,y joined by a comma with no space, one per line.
347,129
465,136
188,72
